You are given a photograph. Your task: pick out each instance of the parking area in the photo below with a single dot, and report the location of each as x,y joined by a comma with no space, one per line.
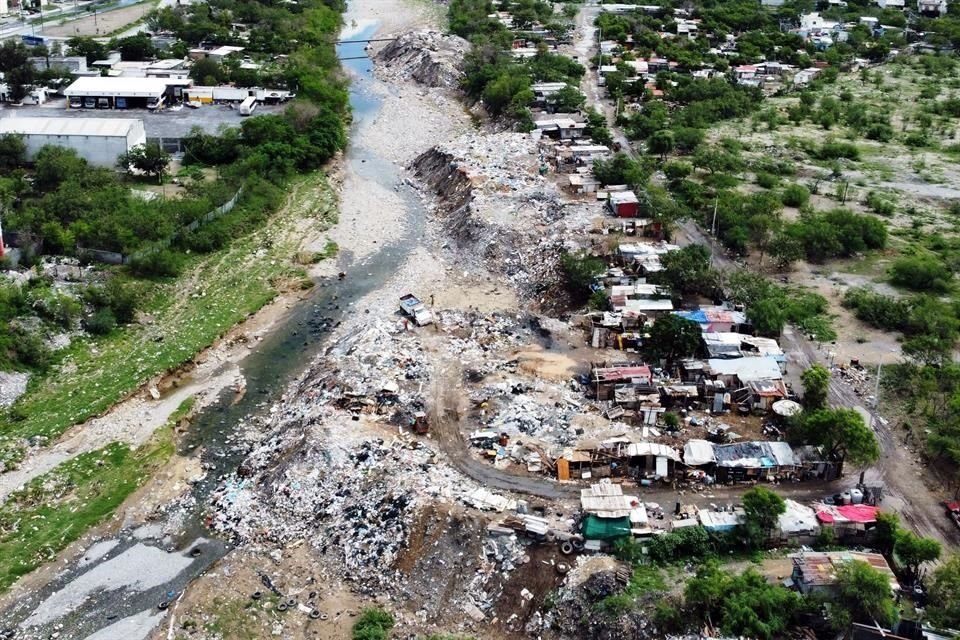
167,123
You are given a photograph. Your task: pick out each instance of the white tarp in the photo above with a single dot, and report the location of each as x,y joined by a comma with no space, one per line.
698,452
798,519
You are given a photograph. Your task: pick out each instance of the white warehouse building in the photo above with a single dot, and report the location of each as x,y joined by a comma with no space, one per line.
98,140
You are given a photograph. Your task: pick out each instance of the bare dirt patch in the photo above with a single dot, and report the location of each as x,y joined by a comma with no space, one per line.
101,24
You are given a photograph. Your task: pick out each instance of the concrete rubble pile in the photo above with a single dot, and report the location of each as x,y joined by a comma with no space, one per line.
431,58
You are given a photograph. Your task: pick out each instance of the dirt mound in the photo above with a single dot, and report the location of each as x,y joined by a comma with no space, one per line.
431,58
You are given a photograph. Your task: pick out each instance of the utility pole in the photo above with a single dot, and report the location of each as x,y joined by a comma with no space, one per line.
2,248
713,224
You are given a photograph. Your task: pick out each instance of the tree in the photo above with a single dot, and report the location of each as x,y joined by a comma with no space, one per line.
885,532
762,507
580,271
566,100
207,71
767,316
149,158
942,589
672,338
138,47
741,605
661,143
620,169
816,384
864,594
687,270
913,550
13,151
88,48
785,249
841,432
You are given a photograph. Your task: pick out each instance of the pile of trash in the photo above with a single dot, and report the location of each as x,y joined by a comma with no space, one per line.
494,199
520,410
355,503
578,607
431,58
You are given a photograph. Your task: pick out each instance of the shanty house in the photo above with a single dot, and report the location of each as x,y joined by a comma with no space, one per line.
740,461
816,572
608,511
643,459
624,204
850,521
798,524
606,380
756,381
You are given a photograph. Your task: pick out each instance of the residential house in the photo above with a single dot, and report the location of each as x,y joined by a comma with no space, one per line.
814,22
756,382
816,572
688,29
805,77
771,3
717,319
891,4
740,461
721,521
624,204
797,524
561,127
932,8
738,345
815,465
853,522
644,256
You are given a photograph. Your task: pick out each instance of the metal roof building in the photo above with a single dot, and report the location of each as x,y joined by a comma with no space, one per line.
116,88
98,140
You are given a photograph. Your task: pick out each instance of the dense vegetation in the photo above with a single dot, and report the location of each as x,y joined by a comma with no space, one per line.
59,204
502,82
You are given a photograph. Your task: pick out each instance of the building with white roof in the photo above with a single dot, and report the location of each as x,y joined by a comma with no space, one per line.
98,140
119,93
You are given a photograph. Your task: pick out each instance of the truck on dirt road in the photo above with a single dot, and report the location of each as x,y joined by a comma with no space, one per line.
953,511
413,308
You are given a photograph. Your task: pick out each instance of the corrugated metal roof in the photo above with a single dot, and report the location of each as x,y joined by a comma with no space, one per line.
746,369
113,127
820,568
99,86
652,449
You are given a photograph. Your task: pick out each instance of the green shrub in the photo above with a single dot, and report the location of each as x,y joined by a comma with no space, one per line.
795,195
162,263
767,180
921,273
373,624
101,322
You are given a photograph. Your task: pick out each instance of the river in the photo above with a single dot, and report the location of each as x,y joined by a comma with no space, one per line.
119,588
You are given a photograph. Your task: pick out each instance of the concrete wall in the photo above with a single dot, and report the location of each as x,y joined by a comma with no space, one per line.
98,150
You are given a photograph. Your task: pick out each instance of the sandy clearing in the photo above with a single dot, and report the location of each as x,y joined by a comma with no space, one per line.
100,24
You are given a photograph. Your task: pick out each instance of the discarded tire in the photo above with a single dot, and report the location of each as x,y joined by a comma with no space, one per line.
291,603
256,595
562,568
566,548
195,552
282,606
578,543
315,614
163,605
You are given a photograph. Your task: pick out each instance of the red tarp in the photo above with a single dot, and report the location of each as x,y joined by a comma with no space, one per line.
860,513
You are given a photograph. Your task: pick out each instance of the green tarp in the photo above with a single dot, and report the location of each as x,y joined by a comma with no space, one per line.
595,528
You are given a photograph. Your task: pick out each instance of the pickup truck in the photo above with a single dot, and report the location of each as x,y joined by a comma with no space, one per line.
953,512
411,307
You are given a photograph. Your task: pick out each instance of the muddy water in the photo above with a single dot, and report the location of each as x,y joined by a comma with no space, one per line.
88,600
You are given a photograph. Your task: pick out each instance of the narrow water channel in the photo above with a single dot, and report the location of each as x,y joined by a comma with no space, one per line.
116,590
